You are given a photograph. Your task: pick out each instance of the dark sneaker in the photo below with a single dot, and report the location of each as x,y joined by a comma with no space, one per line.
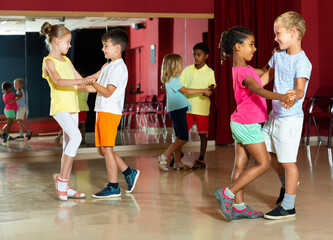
108,192
5,137
29,136
280,213
246,213
225,203
199,164
280,198
19,138
131,180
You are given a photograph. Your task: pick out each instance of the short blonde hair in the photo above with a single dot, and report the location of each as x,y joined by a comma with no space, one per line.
170,67
292,19
19,81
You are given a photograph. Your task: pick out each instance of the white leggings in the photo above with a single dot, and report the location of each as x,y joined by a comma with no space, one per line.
69,122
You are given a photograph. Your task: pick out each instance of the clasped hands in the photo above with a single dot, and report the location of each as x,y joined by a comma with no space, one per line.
90,80
289,99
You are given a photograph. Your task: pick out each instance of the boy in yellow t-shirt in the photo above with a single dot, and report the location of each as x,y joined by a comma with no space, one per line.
199,76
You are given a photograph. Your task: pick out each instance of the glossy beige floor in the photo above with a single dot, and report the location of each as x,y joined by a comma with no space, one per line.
173,205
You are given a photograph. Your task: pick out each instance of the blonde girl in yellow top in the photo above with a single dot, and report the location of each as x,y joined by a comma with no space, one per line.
63,80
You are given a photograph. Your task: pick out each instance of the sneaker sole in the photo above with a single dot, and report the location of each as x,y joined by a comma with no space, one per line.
235,217
136,178
279,217
110,196
219,198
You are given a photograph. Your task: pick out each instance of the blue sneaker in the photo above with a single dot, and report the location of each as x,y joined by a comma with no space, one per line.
131,180
108,192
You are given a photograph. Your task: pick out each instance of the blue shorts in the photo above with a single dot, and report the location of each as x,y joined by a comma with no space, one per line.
179,123
247,133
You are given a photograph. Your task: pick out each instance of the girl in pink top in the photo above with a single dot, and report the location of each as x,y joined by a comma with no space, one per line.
10,100
251,110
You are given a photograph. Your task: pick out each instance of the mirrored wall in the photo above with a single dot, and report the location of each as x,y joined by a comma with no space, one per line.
22,50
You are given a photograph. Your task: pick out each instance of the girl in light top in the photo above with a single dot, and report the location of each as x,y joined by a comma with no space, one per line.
177,105
245,125
63,78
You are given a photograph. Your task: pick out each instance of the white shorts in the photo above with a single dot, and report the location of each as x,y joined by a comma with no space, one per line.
283,136
22,113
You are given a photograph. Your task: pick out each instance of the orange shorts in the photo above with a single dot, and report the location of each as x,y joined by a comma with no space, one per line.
106,127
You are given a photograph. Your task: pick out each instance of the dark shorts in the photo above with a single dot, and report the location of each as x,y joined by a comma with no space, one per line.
178,118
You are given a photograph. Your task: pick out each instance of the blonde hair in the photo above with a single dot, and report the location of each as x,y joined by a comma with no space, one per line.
53,31
170,67
19,81
292,19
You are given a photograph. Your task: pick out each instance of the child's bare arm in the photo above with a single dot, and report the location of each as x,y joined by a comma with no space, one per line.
105,92
267,76
300,87
252,84
86,88
189,91
19,95
50,69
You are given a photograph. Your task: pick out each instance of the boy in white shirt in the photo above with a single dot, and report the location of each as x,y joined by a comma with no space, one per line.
110,87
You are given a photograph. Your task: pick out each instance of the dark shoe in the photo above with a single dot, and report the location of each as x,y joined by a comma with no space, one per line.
172,162
280,198
199,164
29,136
280,213
108,192
131,180
5,137
19,138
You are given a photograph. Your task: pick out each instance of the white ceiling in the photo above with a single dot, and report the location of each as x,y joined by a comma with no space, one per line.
18,25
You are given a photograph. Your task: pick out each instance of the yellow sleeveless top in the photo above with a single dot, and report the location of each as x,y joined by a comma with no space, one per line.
63,99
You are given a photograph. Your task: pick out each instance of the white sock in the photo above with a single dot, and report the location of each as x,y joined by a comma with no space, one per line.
70,191
62,184
21,134
164,157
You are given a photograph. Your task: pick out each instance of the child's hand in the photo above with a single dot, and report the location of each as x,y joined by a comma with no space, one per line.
289,99
163,88
89,80
211,88
276,49
207,92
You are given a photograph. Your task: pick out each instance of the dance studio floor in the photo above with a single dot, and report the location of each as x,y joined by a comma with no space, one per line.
173,205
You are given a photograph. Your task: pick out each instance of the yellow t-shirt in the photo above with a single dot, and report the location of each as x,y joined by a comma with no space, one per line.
198,79
63,99
83,98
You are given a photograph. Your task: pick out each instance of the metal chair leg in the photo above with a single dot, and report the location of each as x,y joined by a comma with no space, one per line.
314,121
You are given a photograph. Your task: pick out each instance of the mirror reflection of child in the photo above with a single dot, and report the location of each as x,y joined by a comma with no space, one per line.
10,100
22,111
